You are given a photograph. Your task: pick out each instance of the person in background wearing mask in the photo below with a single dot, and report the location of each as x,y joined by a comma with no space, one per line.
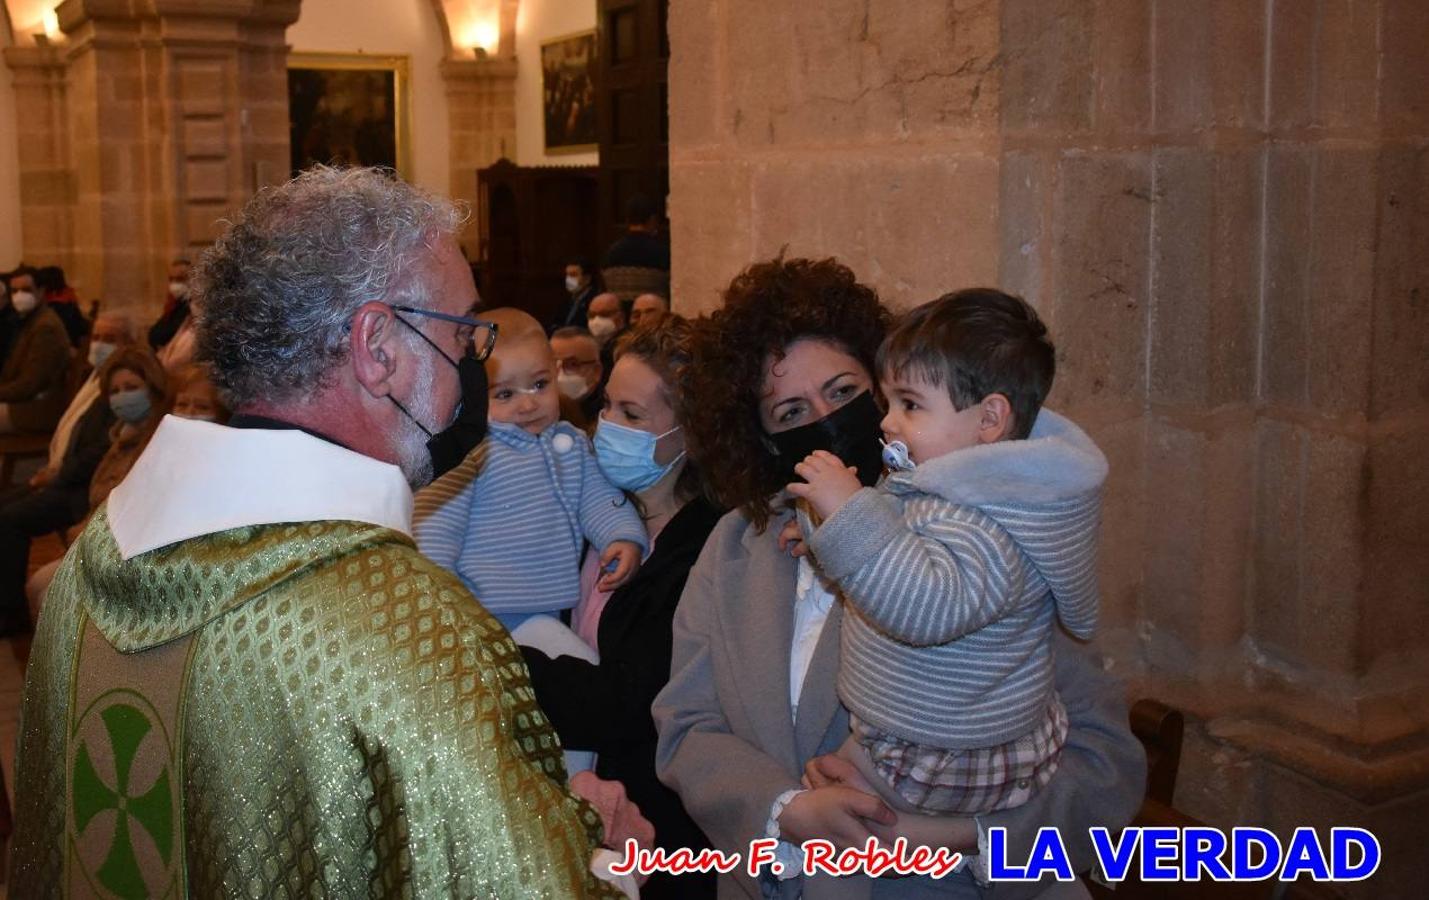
61,298
194,398
580,375
83,430
582,285
606,317
131,387
648,309
32,380
257,584
176,305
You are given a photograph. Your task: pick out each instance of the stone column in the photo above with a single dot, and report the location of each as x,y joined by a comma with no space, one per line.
47,188
1220,208
175,113
481,109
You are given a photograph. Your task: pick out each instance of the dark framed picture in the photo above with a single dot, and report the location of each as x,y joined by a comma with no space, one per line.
568,93
349,109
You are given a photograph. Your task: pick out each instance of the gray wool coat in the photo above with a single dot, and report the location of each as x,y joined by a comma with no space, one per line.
728,745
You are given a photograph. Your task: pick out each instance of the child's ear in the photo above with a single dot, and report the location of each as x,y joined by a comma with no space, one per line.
995,422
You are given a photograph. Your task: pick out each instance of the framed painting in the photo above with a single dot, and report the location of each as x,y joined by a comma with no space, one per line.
568,93
349,109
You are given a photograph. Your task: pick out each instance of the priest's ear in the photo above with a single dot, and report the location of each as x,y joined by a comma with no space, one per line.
994,419
372,345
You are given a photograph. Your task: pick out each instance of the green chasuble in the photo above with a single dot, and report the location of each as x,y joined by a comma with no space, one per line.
309,710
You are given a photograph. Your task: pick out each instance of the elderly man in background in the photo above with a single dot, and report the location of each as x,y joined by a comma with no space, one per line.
605,318
246,679
176,305
32,380
580,375
649,309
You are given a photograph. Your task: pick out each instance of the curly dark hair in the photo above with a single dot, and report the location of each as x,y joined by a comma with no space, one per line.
767,307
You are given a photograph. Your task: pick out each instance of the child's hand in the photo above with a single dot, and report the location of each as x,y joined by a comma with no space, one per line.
791,539
625,556
829,482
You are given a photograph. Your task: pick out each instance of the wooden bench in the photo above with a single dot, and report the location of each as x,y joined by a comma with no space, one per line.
1160,730
17,447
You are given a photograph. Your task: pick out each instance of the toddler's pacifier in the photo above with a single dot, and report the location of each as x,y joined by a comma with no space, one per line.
895,456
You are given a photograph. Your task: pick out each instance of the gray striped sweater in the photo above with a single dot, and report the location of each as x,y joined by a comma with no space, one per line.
955,574
512,518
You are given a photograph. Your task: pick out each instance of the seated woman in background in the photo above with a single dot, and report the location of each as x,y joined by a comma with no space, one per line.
134,384
785,368
604,706
136,392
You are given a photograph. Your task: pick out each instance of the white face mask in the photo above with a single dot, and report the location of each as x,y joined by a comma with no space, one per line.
572,284
572,385
24,302
179,289
601,326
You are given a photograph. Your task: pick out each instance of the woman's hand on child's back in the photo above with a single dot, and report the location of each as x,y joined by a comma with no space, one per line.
834,813
618,563
827,484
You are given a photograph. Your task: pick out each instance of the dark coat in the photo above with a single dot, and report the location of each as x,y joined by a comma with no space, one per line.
87,446
36,372
605,707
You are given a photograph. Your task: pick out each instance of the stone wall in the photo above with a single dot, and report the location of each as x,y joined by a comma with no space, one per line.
1220,207
142,130
149,123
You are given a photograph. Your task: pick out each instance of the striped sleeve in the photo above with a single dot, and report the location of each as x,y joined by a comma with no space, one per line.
441,513
922,589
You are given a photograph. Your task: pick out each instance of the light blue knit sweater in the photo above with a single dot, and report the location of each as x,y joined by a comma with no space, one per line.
512,518
955,574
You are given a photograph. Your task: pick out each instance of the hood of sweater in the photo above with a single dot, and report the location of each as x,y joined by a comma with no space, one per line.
1045,491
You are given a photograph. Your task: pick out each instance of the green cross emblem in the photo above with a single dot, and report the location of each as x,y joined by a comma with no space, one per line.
151,811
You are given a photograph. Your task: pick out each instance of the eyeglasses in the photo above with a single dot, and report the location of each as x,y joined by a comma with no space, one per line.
478,334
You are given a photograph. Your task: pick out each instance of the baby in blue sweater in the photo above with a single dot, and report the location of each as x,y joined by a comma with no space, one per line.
513,518
957,568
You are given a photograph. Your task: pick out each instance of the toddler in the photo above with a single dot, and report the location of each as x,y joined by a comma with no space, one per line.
512,519
956,568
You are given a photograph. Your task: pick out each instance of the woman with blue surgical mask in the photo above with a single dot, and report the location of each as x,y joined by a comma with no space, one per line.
604,706
134,387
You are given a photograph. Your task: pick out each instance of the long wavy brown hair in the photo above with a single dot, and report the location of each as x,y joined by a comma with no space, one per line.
665,347
767,307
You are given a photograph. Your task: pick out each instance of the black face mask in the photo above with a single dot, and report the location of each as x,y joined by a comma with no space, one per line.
850,432
450,446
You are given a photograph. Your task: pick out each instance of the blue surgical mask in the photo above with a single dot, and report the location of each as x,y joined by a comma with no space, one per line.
131,406
627,455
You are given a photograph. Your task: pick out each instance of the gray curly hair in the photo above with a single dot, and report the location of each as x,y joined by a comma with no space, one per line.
276,292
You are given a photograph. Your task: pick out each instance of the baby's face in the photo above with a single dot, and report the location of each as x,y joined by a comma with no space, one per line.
921,415
522,378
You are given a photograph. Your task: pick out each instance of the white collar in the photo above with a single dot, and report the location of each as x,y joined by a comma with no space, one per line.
198,478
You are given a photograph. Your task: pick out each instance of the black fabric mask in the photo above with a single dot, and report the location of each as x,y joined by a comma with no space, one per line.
450,446
850,432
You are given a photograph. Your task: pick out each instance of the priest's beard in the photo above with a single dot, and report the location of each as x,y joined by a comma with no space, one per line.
413,457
